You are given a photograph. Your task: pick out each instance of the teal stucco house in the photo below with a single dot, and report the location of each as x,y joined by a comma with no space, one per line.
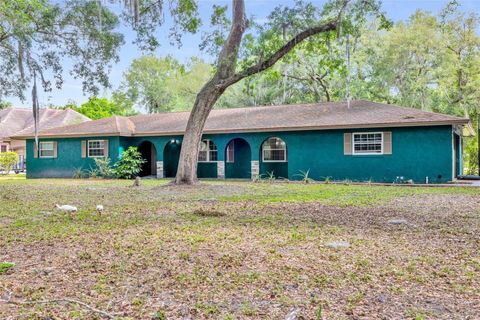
363,141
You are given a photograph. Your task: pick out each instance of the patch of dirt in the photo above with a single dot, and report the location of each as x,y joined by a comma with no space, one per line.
253,261
200,188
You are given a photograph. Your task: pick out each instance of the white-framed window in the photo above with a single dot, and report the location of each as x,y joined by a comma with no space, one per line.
231,152
4,148
45,149
274,150
96,148
208,151
367,143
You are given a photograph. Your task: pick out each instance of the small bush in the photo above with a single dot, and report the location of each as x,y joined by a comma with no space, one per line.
104,168
270,176
7,161
92,173
257,178
305,176
79,173
130,164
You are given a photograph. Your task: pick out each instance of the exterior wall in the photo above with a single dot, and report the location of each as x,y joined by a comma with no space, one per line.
5,144
418,152
69,158
18,146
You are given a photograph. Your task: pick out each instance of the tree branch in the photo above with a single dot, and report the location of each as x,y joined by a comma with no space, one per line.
265,64
227,59
4,36
295,77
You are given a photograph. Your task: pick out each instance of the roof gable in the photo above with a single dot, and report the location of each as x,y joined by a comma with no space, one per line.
19,121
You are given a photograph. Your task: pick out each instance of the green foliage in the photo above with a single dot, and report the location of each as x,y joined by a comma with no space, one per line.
5,266
7,161
471,155
159,315
304,176
130,164
79,173
97,108
270,176
319,313
37,35
163,84
5,104
148,16
104,168
91,172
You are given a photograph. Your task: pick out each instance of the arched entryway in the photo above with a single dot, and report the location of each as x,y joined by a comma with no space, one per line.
274,158
238,156
149,154
171,155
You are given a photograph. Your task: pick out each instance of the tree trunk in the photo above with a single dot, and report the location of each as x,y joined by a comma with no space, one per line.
187,165
225,77
209,94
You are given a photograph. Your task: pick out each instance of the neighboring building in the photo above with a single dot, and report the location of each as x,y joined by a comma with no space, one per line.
364,142
15,121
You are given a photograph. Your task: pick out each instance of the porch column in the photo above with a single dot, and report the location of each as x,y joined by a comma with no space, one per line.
159,169
220,170
255,168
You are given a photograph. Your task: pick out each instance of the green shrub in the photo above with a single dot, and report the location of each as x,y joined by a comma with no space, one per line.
471,155
130,164
79,173
305,176
92,173
104,168
7,161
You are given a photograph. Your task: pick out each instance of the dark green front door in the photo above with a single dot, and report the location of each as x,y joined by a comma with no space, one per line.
238,164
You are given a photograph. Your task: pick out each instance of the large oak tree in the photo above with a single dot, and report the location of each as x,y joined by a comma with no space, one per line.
37,37
240,54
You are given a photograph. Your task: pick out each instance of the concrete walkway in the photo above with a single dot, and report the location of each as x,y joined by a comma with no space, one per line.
470,183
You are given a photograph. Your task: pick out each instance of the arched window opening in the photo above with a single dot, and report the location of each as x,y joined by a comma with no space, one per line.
208,151
274,150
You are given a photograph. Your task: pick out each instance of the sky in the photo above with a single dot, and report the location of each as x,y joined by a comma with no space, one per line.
396,10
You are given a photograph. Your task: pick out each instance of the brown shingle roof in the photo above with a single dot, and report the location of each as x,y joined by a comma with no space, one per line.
317,116
19,121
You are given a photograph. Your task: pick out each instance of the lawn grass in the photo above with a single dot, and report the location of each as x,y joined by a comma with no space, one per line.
238,250
337,194
10,177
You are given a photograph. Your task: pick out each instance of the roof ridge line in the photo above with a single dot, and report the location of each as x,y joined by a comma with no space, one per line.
117,124
411,108
245,108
